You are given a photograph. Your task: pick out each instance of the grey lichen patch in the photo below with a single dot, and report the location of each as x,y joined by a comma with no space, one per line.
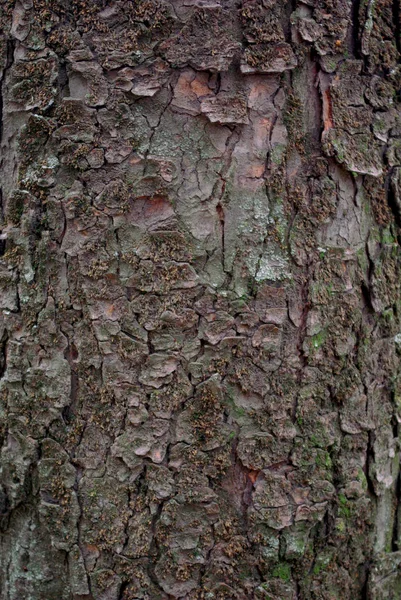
358,153
272,266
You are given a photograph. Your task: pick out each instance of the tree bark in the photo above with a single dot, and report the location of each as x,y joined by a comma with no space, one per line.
200,302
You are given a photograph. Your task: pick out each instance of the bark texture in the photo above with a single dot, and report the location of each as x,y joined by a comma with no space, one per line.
200,326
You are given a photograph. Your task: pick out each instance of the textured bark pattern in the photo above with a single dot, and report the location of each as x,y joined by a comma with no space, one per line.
200,300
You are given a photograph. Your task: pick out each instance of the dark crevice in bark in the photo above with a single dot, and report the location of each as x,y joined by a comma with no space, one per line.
365,586
63,80
218,83
395,536
397,490
397,23
328,523
4,509
297,590
395,533
371,269
3,353
2,236
123,588
290,7
1,211
370,459
366,298
9,62
315,103
1,108
220,214
392,200
355,28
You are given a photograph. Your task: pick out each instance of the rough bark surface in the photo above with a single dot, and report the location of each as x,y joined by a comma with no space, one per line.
200,331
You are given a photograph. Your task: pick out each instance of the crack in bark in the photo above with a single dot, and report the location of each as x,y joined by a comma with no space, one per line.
220,215
397,23
7,67
391,198
355,28
3,353
8,64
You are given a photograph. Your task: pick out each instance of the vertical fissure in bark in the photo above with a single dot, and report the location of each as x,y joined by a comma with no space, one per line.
369,461
355,28
217,79
365,586
395,535
367,289
314,106
123,588
2,78
367,298
9,62
397,23
306,306
63,80
391,198
397,490
3,353
220,215
290,8
2,235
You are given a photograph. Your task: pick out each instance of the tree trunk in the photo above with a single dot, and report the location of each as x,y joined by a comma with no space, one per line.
200,300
